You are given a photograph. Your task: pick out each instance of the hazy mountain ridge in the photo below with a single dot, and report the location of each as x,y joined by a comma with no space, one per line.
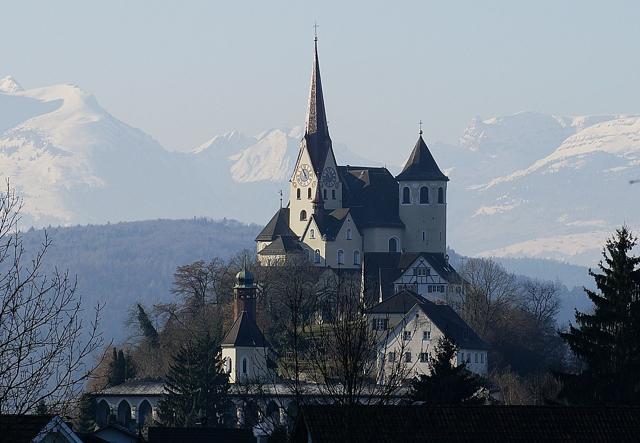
527,184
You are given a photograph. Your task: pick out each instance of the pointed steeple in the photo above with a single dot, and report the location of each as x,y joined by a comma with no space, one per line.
421,164
316,134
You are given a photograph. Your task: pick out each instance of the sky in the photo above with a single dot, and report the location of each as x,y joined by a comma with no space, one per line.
186,71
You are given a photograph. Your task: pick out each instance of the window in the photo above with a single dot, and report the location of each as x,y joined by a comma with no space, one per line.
424,195
340,257
482,357
303,215
324,194
468,357
309,193
406,335
393,244
424,236
356,257
391,357
380,324
298,193
476,357
406,195
424,357
441,288
244,365
440,195
312,233
426,335
348,233
317,256
421,271
462,357
333,194
407,357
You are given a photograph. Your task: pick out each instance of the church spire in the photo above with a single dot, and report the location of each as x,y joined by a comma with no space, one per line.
316,134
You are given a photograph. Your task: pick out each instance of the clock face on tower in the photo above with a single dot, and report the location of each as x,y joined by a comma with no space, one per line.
329,177
304,175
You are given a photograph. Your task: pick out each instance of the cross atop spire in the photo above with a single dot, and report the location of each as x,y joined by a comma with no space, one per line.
420,127
315,31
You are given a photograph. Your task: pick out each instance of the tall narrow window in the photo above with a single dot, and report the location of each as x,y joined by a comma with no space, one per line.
406,195
356,257
312,233
441,195
393,244
340,257
298,193
333,194
348,233
324,194
424,236
303,215
244,365
424,195
309,193
316,257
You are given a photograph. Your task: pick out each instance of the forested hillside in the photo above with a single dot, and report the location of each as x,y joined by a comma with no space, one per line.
122,263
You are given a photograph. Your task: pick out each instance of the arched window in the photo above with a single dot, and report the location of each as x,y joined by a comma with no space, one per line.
333,194
324,194
309,193
348,233
393,244
406,195
228,365
340,257
244,365
424,195
298,193
312,233
440,195
356,257
317,256
303,215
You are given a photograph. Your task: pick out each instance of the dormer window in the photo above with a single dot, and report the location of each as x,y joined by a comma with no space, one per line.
406,195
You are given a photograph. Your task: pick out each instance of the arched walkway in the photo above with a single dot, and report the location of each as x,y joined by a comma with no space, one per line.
102,413
145,412
124,413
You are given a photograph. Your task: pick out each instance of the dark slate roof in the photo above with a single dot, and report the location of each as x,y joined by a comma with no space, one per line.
372,195
443,316
330,221
421,165
141,387
383,268
245,333
200,435
419,423
277,226
22,428
282,246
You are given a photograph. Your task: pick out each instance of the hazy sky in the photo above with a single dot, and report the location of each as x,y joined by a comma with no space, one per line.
185,71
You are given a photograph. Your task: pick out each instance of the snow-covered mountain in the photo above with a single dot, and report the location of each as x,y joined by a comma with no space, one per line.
528,184
556,195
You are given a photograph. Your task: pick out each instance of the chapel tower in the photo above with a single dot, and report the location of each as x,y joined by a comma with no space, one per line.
423,202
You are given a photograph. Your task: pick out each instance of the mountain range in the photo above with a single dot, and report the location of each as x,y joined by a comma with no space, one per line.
523,185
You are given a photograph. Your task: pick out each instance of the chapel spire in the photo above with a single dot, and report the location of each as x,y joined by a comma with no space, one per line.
316,134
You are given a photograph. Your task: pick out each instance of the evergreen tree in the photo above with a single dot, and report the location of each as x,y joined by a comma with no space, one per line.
86,414
42,408
447,384
196,386
608,340
116,371
148,330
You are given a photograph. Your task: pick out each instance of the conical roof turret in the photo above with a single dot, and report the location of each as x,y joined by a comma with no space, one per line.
421,165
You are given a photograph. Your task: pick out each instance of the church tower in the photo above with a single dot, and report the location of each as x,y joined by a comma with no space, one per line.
423,202
316,169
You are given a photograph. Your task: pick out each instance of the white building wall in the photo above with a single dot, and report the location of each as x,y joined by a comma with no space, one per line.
426,223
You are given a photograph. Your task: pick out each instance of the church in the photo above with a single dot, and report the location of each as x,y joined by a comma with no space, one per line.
393,229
